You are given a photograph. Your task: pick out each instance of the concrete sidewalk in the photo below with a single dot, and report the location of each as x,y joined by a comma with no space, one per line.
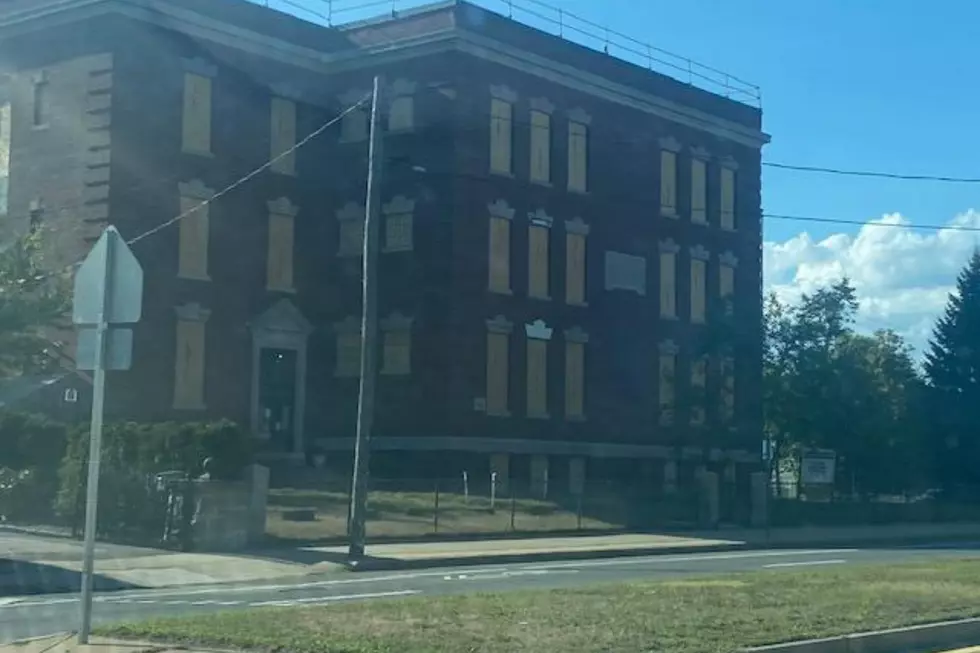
68,643
435,554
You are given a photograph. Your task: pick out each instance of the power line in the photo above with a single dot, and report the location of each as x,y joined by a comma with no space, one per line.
896,225
871,173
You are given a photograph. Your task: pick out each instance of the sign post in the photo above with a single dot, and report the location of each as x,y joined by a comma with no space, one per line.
108,291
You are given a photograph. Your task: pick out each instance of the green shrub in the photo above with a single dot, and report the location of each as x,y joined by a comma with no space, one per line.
132,453
30,441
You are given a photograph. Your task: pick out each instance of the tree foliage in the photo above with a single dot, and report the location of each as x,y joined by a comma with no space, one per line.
826,386
32,301
952,367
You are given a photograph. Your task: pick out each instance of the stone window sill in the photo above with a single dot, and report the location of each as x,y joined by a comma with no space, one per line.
204,153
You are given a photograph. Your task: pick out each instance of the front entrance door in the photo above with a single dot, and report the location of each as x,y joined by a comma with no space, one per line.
277,396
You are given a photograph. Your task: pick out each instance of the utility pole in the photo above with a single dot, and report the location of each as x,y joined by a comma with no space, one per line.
369,334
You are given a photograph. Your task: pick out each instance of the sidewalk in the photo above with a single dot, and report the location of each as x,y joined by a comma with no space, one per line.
435,554
34,564
68,643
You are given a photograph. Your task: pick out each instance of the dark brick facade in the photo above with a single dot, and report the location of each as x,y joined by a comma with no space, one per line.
444,165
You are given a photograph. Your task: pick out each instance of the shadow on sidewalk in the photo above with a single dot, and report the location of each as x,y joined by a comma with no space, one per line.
22,577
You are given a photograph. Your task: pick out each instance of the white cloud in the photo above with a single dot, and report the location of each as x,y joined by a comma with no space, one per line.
902,276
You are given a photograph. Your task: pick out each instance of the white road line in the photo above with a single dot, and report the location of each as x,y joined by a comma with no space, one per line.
330,599
685,558
804,563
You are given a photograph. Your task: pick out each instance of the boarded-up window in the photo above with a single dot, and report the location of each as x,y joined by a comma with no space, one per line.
398,232
698,295
575,268
537,378
501,136
397,357
726,284
280,252
668,284
668,183
699,192
626,272
538,261
194,232
189,358
499,255
540,147
348,353
727,199
667,386
578,156
727,388
498,359
699,384
574,379
4,158
283,136
197,114
401,116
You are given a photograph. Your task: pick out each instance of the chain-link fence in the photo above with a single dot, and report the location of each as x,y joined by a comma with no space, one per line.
410,508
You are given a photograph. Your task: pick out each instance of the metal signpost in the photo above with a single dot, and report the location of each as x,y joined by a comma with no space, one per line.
108,292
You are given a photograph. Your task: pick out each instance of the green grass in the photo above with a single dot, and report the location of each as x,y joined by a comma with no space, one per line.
412,514
686,615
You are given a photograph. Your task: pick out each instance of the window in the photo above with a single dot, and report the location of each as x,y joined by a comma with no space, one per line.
401,113
668,279
727,388
540,147
575,234
189,357
666,381
668,177
575,340
501,136
699,189
41,101
283,136
727,218
538,334
726,280
348,363
4,158
350,233
626,272
699,384
398,216
699,274
501,216
397,345
194,231
197,114
538,263
498,366
578,151
279,263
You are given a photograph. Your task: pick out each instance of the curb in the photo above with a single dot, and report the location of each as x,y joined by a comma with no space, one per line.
925,637
372,563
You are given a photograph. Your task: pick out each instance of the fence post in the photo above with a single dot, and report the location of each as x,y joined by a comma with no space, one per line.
493,491
435,511
578,512
513,509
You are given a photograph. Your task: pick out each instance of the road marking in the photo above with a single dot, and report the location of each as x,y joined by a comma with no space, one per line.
687,558
329,599
512,574
804,563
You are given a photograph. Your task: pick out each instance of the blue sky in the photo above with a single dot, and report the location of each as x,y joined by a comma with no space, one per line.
856,84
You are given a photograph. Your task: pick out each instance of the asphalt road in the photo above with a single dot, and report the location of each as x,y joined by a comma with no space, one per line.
45,614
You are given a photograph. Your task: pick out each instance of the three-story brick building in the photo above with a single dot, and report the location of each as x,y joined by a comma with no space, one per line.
570,273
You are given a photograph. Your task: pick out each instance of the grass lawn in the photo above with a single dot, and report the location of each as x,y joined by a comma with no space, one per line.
412,514
706,614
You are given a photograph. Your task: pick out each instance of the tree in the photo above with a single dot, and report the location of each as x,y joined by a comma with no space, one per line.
827,387
952,367
32,301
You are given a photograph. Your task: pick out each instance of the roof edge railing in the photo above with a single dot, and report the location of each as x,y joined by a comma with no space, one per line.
549,18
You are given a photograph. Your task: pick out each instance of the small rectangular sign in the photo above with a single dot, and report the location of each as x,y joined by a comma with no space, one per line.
118,354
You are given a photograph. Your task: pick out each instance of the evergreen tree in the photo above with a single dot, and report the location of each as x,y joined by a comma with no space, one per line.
952,367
